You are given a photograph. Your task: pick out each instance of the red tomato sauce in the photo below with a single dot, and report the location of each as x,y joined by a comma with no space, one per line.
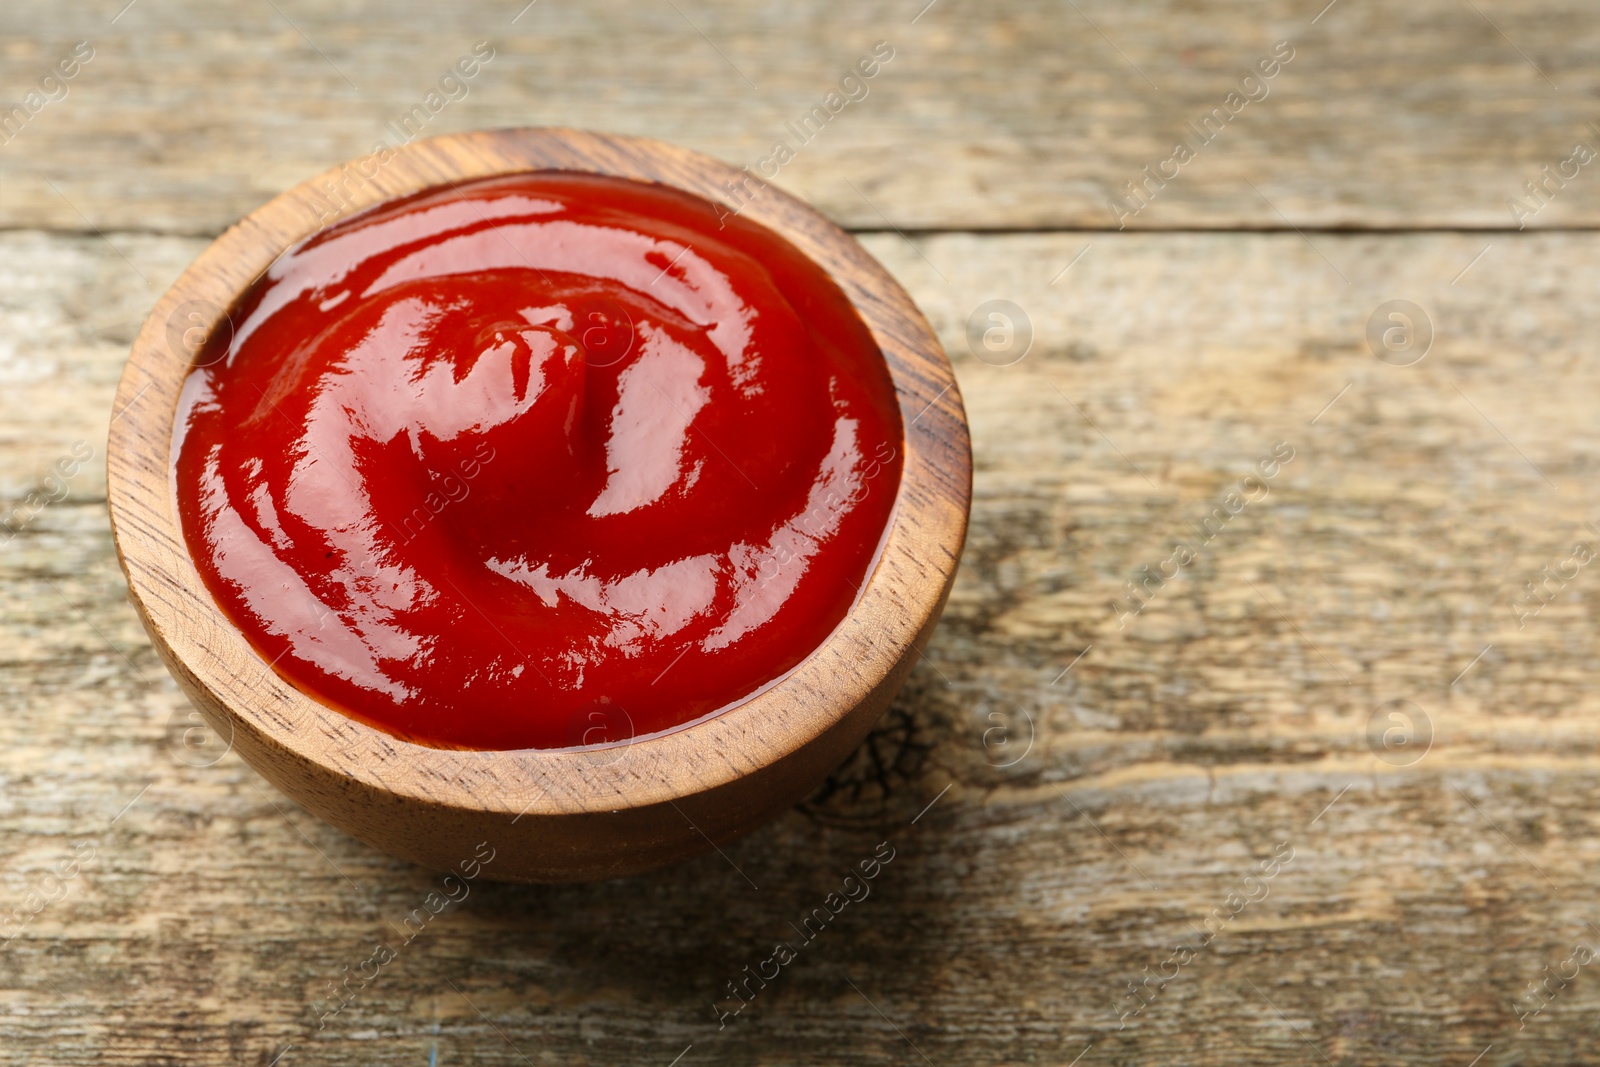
540,461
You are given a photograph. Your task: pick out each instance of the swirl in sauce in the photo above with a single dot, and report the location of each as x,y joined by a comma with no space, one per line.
539,461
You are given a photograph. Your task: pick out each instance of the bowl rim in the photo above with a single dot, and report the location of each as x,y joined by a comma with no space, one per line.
899,599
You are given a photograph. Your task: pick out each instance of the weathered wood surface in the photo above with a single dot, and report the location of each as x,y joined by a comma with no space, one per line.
1228,717
1386,561
1424,114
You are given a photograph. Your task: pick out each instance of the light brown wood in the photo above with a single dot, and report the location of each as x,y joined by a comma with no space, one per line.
1021,115
544,815
1417,908
1420,905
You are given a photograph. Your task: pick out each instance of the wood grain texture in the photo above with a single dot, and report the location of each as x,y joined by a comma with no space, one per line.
1226,718
1027,115
542,815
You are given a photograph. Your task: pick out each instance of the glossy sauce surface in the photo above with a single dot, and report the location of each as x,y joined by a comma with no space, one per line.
540,461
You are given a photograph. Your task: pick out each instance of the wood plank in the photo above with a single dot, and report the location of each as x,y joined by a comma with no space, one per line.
1230,715
1431,114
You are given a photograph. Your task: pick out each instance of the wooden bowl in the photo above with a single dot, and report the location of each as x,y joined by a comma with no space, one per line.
548,815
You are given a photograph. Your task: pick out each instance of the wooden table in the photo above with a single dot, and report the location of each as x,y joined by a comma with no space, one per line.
1329,795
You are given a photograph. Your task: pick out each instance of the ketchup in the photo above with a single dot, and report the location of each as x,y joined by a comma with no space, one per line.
539,461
